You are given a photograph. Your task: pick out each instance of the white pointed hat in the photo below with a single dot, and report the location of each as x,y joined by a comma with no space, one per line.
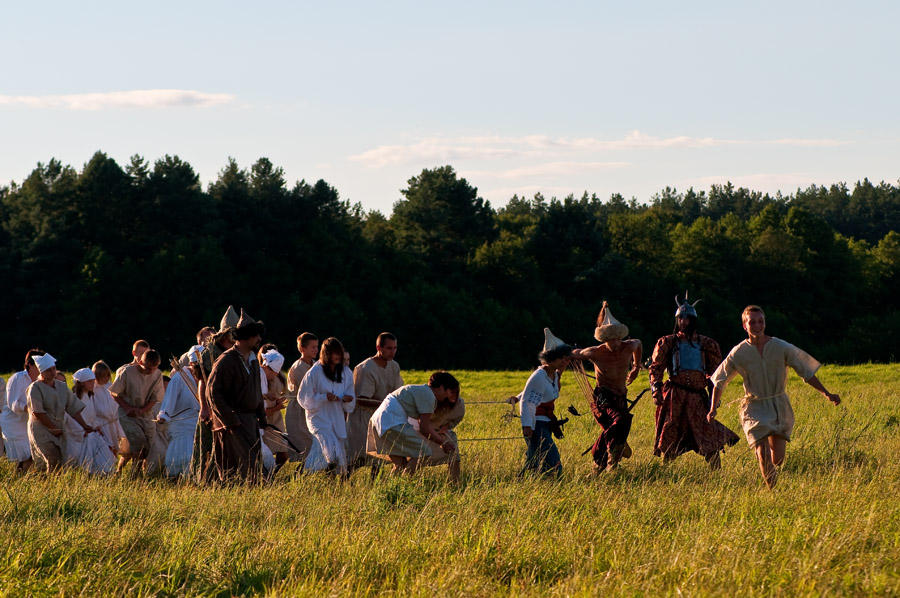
552,342
44,362
608,327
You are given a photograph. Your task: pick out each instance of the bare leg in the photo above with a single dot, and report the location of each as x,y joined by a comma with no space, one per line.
399,464
778,445
766,466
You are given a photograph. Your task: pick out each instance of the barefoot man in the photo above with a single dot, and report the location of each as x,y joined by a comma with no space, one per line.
617,362
765,413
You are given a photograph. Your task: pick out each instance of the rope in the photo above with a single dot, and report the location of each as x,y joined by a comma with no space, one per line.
493,438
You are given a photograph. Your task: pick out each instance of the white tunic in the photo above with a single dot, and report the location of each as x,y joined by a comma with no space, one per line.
540,388
325,418
181,409
92,452
14,417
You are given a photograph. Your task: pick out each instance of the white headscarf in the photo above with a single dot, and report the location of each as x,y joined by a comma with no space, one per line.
84,375
273,359
44,362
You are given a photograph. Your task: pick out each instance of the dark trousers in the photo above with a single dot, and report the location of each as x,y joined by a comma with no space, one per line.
542,455
610,410
237,451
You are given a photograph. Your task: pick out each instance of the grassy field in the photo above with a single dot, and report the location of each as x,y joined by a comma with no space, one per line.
831,527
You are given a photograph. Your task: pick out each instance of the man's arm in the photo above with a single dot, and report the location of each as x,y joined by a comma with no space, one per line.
657,369
814,382
637,352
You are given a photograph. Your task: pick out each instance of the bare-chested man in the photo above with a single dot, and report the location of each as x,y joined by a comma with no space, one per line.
617,363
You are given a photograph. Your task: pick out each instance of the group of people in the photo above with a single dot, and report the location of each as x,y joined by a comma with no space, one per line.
227,412
687,379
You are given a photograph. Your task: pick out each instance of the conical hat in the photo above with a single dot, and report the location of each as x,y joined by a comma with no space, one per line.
550,341
229,320
608,327
247,327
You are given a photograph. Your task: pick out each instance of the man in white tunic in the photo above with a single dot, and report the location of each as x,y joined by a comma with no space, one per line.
373,379
14,416
765,413
180,409
294,415
392,435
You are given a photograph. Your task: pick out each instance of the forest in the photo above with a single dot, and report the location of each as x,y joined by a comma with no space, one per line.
92,259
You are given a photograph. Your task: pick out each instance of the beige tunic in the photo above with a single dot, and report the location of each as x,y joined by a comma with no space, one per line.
138,390
765,409
295,416
55,401
370,381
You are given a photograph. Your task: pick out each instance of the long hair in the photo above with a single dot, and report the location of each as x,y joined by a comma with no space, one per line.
329,348
691,329
78,389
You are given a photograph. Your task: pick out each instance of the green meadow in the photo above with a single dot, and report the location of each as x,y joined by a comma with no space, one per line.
832,526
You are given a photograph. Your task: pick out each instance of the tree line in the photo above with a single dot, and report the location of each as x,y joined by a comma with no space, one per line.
91,260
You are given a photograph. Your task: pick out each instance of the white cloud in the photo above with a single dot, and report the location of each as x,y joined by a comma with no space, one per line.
545,169
451,149
786,182
138,98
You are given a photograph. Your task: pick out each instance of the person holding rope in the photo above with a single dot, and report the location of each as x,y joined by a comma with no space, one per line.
617,362
236,405
180,410
766,415
682,401
394,438
136,390
536,407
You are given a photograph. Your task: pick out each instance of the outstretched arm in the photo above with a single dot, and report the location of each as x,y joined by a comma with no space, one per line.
814,382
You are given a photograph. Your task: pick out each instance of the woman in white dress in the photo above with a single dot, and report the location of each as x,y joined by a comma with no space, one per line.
14,414
93,452
326,393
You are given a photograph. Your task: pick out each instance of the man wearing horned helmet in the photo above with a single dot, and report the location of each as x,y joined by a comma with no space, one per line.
617,362
682,401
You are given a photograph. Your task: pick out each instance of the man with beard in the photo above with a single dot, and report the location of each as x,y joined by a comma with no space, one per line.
617,362
236,405
682,401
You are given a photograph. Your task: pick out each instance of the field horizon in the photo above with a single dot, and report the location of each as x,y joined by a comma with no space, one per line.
832,526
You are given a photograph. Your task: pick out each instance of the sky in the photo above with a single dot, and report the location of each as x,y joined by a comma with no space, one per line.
519,97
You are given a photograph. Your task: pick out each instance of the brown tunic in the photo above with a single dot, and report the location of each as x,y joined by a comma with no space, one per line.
236,403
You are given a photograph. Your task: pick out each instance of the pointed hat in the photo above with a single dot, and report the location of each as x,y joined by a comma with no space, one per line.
229,320
247,327
551,342
608,327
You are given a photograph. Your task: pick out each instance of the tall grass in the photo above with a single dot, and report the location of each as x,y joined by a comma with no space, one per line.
831,527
